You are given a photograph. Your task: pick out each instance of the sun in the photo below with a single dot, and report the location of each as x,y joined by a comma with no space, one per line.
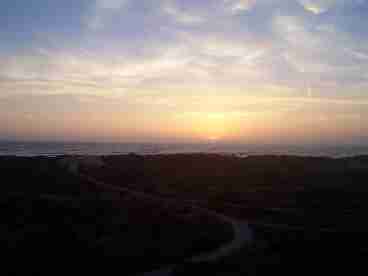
214,139
211,126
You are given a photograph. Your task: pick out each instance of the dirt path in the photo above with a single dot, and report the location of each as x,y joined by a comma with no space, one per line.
242,232
242,236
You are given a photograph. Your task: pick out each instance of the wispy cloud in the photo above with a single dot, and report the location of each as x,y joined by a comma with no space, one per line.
234,58
239,6
322,6
318,6
181,16
101,11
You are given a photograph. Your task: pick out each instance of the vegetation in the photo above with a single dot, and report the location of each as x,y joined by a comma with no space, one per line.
51,216
303,211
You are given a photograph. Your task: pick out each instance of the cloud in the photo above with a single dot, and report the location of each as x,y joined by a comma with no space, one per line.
322,6
359,54
190,60
239,6
317,6
110,4
101,11
181,16
321,53
290,51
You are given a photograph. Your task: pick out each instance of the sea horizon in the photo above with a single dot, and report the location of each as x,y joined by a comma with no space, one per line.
59,148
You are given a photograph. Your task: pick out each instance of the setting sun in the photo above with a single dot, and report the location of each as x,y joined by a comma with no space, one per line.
96,76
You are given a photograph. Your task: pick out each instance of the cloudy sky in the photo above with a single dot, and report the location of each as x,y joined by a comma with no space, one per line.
250,71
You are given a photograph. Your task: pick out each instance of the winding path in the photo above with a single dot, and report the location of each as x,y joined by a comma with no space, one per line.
242,236
242,232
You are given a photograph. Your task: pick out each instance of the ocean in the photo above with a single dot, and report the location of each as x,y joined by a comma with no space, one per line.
58,148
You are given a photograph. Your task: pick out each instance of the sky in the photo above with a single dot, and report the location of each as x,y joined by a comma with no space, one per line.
244,71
